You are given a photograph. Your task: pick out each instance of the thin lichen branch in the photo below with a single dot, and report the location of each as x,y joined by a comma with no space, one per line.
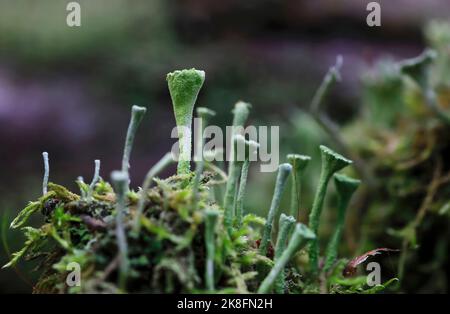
251,148
46,173
204,115
283,173
331,163
231,187
299,163
345,188
137,114
298,239
285,227
240,111
120,183
95,179
211,217
331,78
418,69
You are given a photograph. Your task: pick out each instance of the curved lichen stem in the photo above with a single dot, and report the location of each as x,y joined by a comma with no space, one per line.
298,239
251,149
418,69
204,114
232,182
240,115
211,217
298,163
331,163
184,87
283,172
95,179
285,226
120,182
162,164
345,188
137,114
46,173
331,128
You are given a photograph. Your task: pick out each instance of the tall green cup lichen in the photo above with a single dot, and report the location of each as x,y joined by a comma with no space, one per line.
332,162
283,173
345,188
298,163
184,87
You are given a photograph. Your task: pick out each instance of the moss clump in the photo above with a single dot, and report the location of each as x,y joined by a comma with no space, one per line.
175,237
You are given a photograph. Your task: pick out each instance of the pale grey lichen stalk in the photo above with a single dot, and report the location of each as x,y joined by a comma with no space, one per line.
283,173
240,115
184,87
46,173
299,163
298,239
231,187
345,188
331,163
204,115
251,150
95,179
285,227
211,217
120,183
137,114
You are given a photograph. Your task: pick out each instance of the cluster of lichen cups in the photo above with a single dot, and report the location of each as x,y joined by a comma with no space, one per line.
184,87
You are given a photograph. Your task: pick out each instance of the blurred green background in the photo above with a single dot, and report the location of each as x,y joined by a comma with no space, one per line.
68,90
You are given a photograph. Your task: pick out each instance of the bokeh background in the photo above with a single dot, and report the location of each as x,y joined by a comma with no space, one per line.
68,91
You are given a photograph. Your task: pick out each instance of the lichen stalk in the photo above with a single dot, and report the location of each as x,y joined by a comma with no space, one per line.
211,217
137,114
95,179
232,182
204,114
251,148
285,227
345,188
299,163
120,183
46,173
299,238
240,115
283,173
331,163
184,87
